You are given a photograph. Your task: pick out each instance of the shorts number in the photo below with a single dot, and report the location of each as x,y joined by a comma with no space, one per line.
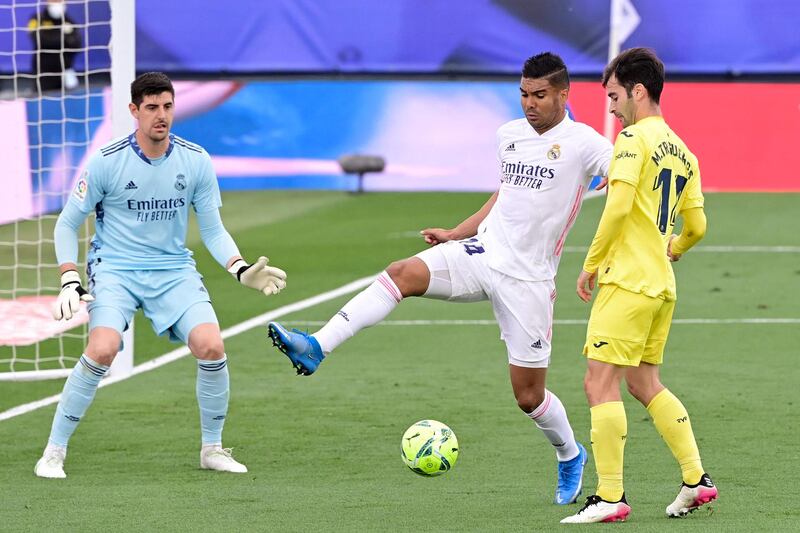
472,248
666,215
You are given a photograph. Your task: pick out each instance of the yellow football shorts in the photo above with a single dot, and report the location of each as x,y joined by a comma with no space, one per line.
626,328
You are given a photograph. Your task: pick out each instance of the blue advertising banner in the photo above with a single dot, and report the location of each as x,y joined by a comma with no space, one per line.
425,36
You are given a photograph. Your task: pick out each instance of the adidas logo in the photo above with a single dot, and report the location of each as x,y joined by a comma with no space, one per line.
130,186
510,148
537,345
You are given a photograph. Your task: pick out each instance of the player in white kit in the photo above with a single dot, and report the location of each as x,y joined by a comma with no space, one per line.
507,252
141,188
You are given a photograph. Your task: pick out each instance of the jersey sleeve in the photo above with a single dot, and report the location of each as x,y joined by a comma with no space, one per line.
206,195
90,188
628,158
693,195
597,152
498,154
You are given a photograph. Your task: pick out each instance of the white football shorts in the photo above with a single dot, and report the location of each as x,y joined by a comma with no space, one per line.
523,309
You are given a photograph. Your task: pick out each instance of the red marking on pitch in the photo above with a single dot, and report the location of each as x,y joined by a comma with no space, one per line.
28,319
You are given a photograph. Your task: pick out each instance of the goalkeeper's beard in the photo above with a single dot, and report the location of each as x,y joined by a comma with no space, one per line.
158,136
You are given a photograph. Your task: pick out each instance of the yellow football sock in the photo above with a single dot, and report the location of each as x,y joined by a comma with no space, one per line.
672,422
609,431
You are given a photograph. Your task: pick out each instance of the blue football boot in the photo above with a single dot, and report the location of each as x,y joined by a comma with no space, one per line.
301,348
570,478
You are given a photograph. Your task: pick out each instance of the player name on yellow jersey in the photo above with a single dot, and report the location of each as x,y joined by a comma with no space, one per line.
652,158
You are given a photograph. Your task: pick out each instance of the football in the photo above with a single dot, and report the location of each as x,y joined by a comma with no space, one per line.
429,448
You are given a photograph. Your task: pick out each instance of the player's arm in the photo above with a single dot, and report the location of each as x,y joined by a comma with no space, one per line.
65,237
467,228
220,244
596,153
618,206
206,202
694,229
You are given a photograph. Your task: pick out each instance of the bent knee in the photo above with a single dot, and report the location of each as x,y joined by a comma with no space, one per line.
209,350
595,391
410,275
588,385
399,271
102,351
529,401
644,393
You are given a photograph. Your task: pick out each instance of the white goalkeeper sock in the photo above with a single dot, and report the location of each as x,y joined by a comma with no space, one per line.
551,418
366,309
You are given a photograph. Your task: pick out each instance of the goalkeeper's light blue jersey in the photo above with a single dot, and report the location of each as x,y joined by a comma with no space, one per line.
142,206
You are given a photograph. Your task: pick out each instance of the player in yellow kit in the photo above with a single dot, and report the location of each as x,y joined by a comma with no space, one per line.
653,178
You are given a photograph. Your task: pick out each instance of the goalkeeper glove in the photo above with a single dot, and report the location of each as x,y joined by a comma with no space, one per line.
259,276
71,295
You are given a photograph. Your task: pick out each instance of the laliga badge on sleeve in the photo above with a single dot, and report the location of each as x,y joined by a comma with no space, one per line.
82,186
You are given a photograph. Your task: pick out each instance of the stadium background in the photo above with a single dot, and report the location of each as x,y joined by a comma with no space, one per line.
276,91
399,87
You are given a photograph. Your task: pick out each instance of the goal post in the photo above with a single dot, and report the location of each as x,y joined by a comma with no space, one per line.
47,134
123,72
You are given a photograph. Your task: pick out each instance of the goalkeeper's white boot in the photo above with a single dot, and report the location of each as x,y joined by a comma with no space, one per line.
51,465
216,457
691,497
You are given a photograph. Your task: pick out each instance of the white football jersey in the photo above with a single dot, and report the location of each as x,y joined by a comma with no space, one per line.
542,181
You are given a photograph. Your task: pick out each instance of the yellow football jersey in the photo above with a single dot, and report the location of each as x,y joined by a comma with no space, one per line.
649,156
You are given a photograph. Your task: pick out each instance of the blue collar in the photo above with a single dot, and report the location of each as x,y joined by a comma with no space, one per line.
140,153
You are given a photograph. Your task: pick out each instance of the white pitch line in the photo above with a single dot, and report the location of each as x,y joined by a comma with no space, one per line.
718,249
262,319
562,322
702,249
174,355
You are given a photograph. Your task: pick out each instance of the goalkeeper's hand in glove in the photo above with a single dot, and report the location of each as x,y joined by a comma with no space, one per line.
71,295
259,276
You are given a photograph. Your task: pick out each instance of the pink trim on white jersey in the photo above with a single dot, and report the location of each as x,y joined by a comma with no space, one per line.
542,409
552,303
573,214
390,286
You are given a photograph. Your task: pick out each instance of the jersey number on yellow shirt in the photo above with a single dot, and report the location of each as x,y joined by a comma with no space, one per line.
664,181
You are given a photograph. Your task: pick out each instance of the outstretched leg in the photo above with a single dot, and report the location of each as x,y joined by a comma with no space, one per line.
401,279
409,277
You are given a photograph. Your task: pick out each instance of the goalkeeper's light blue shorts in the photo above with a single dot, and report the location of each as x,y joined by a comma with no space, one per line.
175,301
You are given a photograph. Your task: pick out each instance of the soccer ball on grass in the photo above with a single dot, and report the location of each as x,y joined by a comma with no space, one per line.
429,448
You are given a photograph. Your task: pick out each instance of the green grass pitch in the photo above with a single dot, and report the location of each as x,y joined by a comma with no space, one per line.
324,451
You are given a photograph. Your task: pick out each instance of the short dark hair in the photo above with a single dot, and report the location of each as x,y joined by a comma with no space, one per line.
637,65
150,83
547,65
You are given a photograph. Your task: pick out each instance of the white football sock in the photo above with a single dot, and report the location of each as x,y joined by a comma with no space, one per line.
551,418
366,309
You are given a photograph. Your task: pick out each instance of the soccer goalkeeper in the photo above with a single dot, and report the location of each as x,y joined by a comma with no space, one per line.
141,187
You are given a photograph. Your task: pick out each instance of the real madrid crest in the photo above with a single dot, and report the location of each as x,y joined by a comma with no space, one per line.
180,182
554,153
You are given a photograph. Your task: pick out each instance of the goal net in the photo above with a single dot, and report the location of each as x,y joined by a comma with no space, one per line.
60,94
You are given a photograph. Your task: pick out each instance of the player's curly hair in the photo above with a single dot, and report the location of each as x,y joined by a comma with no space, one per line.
637,65
547,65
150,83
